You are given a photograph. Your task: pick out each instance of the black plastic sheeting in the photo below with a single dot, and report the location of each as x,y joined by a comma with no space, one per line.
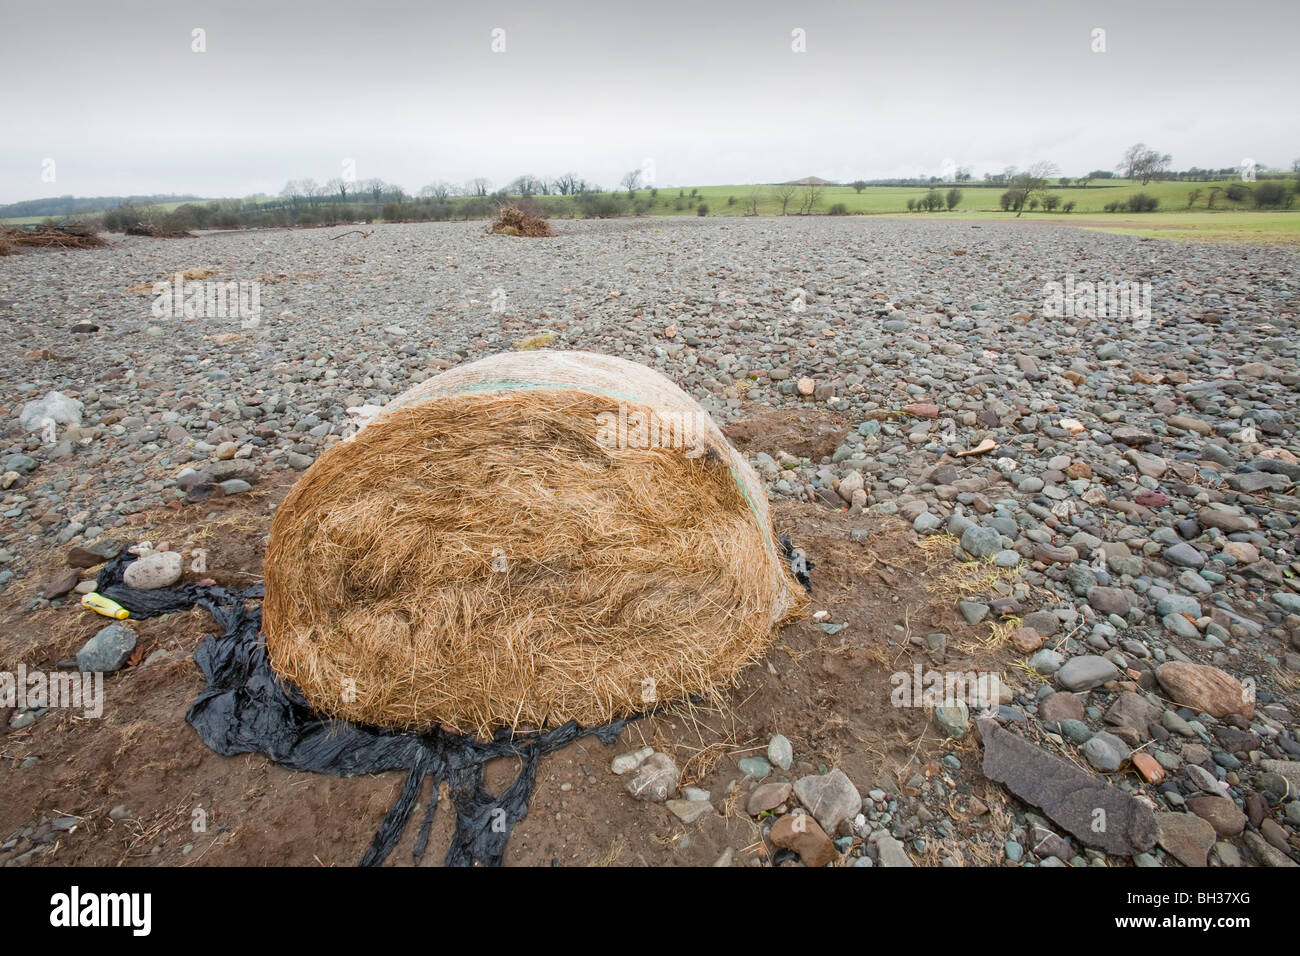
798,561
247,708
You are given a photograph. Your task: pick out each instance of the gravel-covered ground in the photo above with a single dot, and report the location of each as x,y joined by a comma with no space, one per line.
1137,512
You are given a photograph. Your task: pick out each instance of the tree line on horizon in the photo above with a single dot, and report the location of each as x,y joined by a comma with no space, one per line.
340,200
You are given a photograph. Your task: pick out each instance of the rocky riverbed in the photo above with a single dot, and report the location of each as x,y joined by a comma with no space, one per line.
1128,482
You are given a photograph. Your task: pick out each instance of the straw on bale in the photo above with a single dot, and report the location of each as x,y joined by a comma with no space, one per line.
525,540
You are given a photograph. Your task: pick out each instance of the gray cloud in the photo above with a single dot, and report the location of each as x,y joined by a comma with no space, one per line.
712,93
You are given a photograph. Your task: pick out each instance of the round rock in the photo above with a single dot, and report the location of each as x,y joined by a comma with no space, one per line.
158,569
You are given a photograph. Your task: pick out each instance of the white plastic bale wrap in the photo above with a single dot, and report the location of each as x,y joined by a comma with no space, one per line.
611,377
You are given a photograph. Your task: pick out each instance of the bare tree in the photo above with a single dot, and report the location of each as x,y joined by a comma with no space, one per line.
567,184
752,200
812,194
338,185
375,187
292,191
631,181
478,186
310,191
1142,163
1128,165
784,192
526,185
439,191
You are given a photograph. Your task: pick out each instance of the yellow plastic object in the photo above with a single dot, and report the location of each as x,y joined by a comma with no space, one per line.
102,605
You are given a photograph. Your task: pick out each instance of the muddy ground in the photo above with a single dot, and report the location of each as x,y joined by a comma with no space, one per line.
142,789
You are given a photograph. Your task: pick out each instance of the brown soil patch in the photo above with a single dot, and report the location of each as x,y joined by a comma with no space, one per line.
829,694
812,433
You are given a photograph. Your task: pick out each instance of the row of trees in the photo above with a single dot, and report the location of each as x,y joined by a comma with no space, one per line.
307,202
1145,164
1139,162
1140,202
1029,191
935,201
1269,194
308,192
568,184
961,174
1009,175
586,198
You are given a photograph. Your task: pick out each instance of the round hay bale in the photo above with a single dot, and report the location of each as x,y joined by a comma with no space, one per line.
525,540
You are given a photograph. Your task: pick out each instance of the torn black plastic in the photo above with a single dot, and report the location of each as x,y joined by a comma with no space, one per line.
247,708
799,563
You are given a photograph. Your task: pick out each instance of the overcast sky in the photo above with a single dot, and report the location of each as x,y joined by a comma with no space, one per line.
711,92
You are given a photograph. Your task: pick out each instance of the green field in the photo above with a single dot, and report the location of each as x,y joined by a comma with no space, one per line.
1197,226
885,199
1172,219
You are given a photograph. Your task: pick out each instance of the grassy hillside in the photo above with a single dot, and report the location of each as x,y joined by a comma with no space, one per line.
37,220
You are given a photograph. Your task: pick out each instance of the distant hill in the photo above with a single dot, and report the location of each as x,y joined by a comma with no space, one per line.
809,181
75,205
